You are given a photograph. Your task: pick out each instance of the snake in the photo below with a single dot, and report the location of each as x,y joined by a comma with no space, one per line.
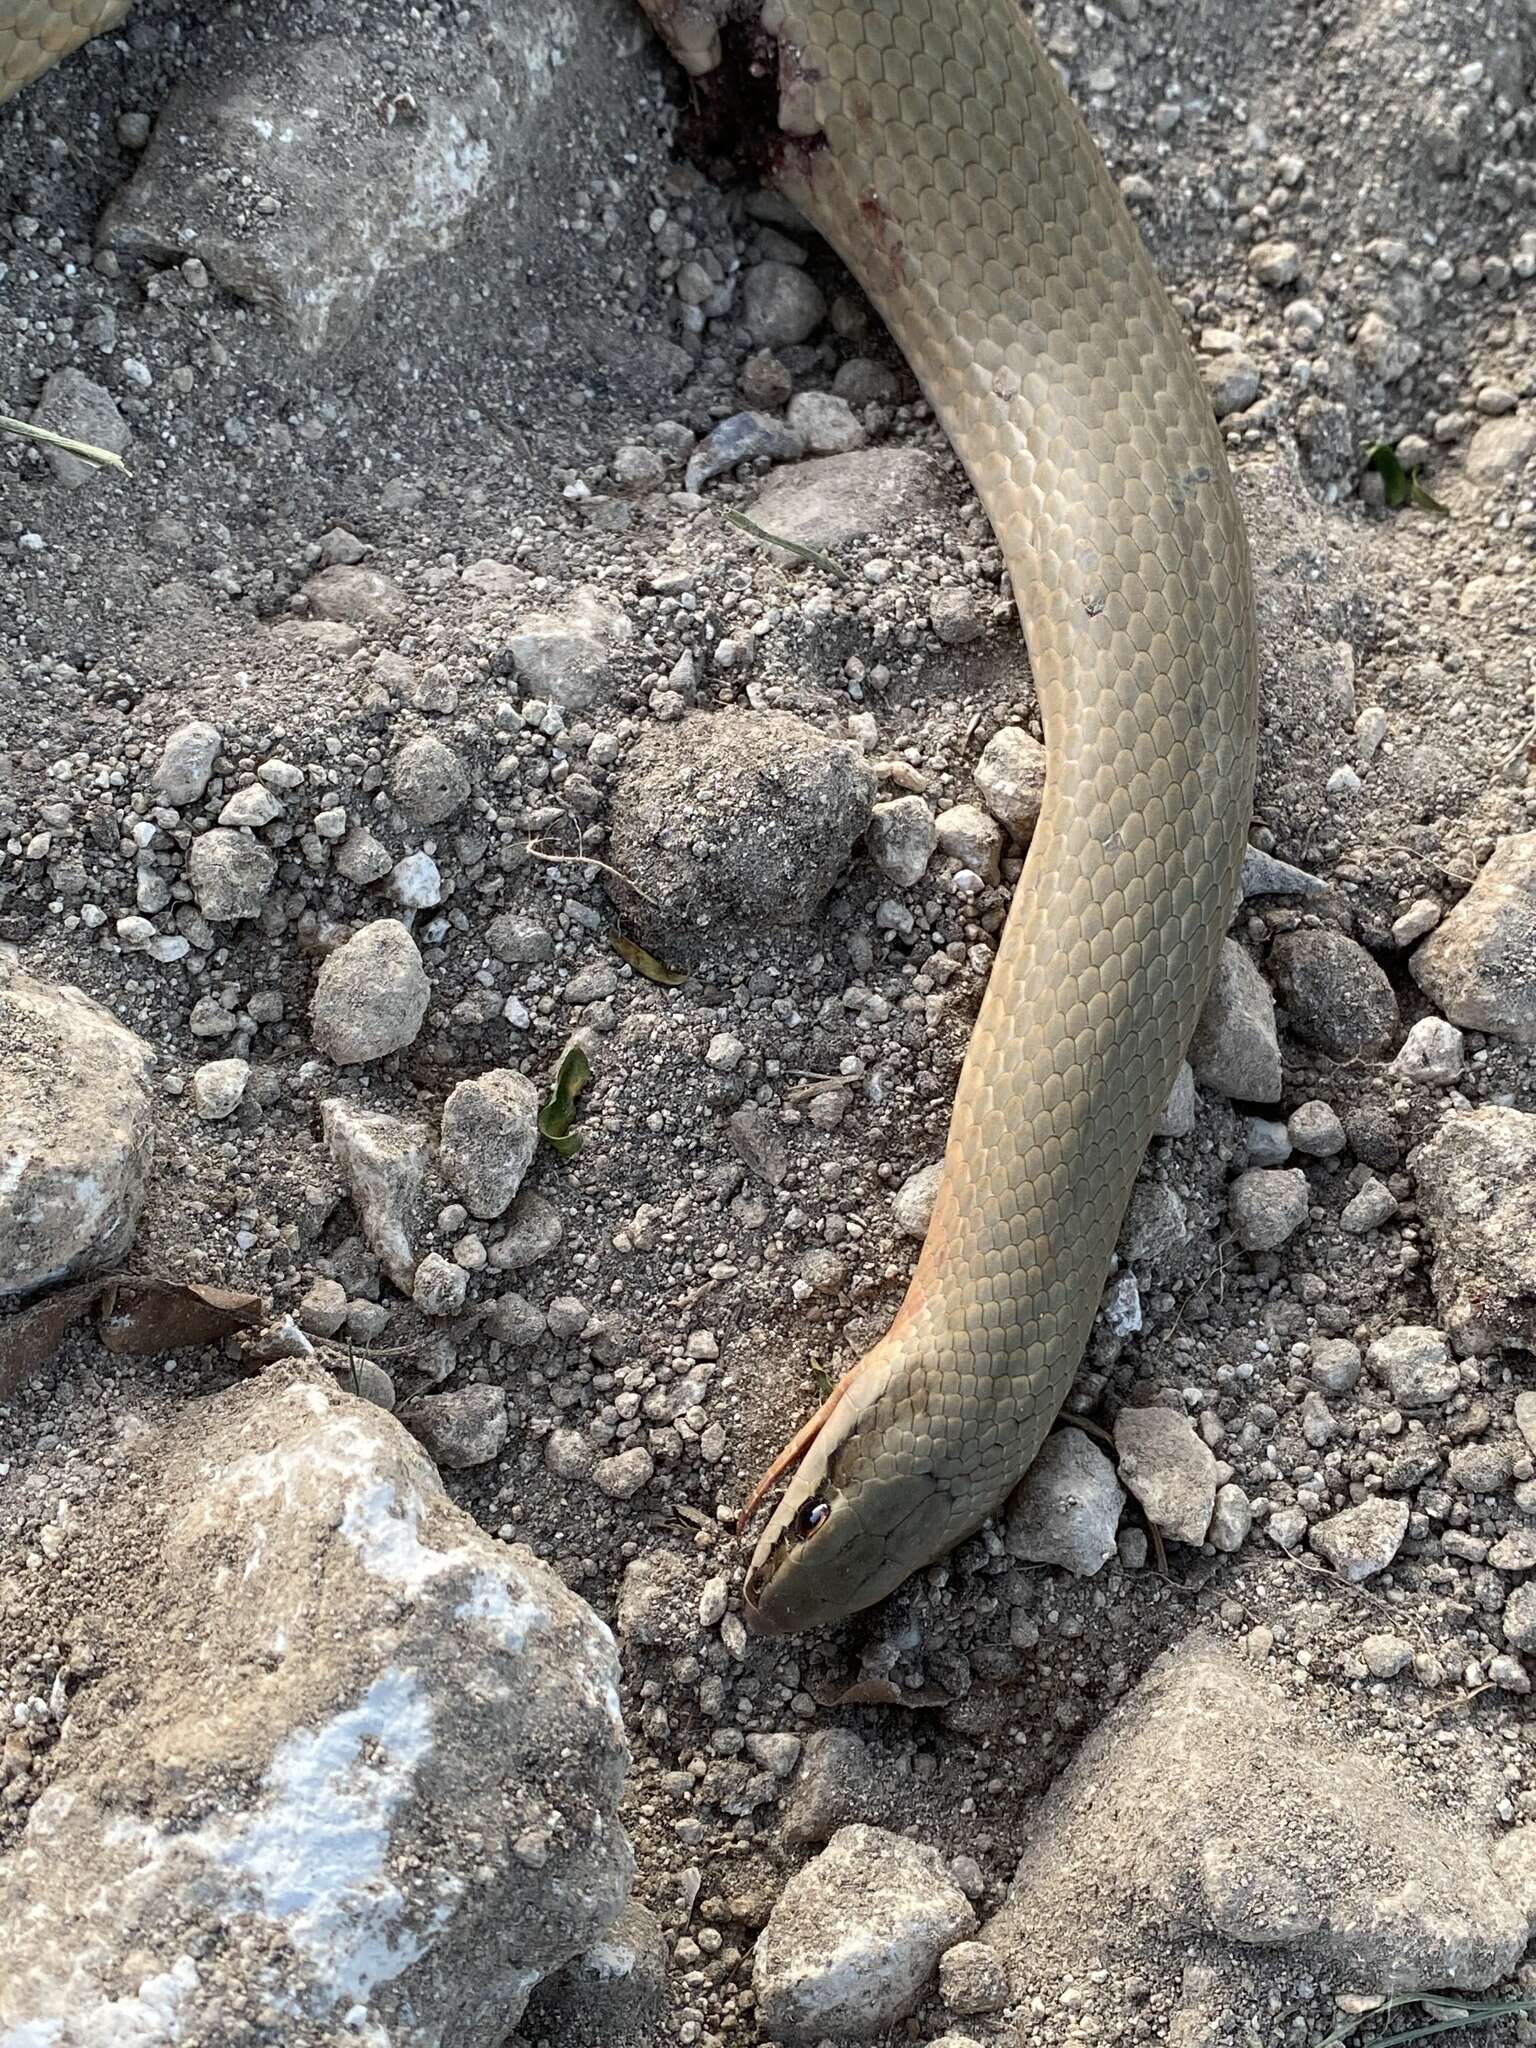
934,146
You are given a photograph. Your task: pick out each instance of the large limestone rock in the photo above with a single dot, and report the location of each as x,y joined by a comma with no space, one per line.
1212,1814
343,1761
76,1133
1479,965
1477,1190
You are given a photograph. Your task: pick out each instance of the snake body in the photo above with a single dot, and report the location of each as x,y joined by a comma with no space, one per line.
934,146
941,157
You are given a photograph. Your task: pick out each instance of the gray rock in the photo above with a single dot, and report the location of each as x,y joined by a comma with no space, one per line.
1415,1366
1275,263
1263,875
354,596
566,657
77,407
611,1995
1011,779
1335,1364
1368,1208
1363,1540
391,1831
1156,1228
251,808
967,834
383,1163
1177,1119
837,1783
1266,1205
1384,349
460,1429
1236,1048
836,498
1169,1470
1514,1858
1314,1128
1519,1622
186,762
972,1978
659,1601
1386,1655
912,1203
1337,998
1476,1181
362,859
490,1134
218,1088
1501,448
1067,1508
1211,1807
354,204
826,423
371,995
1433,1053
621,1477
1479,965
519,941
533,1230
957,617
1232,380
1231,1519
733,818
901,837
853,1941
1265,1142
514,1320
231,876
428,781
780,305
438,1286
77,1134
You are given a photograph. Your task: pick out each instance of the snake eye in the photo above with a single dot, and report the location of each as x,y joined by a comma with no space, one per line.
811,1516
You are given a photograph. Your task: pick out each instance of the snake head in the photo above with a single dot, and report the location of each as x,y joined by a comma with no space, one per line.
863,1511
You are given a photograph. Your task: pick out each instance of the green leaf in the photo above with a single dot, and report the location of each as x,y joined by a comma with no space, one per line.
645,963
1401,486
557,1115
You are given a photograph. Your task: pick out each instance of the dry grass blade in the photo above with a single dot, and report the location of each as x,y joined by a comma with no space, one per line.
86,450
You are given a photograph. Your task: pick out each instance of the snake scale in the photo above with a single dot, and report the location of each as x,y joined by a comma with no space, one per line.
933,145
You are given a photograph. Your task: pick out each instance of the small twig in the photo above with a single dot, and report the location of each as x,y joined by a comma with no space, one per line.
589,860
86,450
791,547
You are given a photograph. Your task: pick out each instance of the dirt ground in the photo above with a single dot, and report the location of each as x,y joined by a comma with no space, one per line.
461,440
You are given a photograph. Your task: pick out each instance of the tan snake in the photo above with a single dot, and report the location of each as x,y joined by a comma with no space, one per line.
933,145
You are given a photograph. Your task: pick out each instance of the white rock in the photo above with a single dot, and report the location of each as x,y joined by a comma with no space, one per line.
186,762
1363,1540
1067,1508
912,1203
389,1827
1433,1053
490,1133
76,1133
218,1088
1011,778
855,1937
383,1162
371,995
901,836
1170,1471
